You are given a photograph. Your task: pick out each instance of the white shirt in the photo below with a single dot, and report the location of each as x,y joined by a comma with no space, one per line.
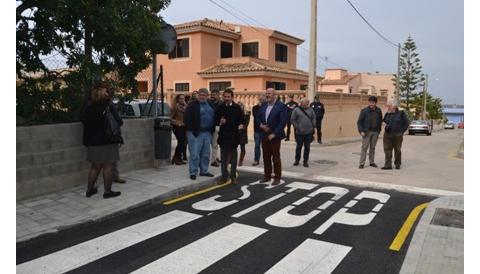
269,109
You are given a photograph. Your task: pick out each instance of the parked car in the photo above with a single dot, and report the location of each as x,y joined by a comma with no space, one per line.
420,126
139,107
460,125
449,125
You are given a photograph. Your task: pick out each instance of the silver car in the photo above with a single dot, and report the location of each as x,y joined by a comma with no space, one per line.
138,108
420,126
449,125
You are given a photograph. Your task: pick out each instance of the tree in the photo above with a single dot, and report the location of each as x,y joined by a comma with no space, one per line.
410,72
98,39
434,106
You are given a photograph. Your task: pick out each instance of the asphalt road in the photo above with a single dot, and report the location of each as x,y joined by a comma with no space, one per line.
427,161
300,225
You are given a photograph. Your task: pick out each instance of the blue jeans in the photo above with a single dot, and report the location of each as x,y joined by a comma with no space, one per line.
199,149
258,143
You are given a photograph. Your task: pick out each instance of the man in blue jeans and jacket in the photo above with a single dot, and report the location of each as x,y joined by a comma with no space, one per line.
199,122
272,119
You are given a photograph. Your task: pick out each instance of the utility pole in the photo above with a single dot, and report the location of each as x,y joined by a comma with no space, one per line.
425,87
312,73
397,87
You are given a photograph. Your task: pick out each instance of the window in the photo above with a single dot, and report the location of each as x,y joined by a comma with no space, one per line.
304,87
339,90
250,49
226,49
276,85
182,87
181,50
281,53
350,89
220,85
384,92
364,91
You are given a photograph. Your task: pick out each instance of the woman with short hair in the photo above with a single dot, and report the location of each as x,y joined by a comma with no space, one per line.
179,130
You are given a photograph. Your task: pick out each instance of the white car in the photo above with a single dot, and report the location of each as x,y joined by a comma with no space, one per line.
449,125
139,108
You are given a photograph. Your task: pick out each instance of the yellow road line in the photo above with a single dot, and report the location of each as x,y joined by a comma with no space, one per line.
181,198
406,227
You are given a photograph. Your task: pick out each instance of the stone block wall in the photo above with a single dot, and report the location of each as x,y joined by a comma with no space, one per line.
52,157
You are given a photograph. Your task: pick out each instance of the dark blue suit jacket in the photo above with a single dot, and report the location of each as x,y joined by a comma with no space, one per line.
276,120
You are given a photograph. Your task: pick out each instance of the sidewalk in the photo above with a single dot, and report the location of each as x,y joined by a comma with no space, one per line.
438,240
56,211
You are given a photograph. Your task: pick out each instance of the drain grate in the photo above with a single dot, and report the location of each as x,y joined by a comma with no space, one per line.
448,217
325,162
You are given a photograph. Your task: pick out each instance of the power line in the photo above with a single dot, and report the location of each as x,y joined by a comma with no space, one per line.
256,21
370,25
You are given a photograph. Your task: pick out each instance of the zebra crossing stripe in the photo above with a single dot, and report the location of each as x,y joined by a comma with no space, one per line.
204,252
89,251
312,256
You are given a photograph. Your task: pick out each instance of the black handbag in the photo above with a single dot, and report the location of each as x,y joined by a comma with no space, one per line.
112,128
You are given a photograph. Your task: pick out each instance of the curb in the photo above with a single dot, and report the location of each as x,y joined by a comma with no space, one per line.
360,183
196,186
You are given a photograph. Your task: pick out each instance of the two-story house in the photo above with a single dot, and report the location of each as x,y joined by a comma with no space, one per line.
216,55
343,81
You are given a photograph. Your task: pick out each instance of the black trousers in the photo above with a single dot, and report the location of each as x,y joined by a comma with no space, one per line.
228,154
319,129
181,135
303,140
392,142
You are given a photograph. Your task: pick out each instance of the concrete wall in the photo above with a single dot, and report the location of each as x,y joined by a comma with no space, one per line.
52,157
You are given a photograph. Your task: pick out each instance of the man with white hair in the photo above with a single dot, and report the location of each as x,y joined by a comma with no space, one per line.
303,120
396,123
199,122
272,118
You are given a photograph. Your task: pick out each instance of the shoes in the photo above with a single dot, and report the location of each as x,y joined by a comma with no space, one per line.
111,194
397,167
255,163
386,167
177,161
240,163
305,164
183,162
91,192
320,142
120,181
193,177
295,163
360,166
373,165
234,181
275,182
265,180
208,174
215,164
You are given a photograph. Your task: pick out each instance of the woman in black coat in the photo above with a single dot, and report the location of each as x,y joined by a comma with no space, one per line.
102,151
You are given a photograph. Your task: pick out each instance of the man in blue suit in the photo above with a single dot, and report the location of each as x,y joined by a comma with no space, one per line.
272,118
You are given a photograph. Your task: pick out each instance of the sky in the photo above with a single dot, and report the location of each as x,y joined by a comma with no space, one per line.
436,26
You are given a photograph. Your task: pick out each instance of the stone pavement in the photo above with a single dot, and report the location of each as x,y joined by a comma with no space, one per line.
437,248
52,212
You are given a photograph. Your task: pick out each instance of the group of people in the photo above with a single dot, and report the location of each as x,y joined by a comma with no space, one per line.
206,122
369,125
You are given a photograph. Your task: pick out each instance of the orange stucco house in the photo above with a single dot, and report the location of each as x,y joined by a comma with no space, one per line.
216,55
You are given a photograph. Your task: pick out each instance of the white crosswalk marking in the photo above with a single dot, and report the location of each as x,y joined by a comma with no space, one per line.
89,251
312,256
198,255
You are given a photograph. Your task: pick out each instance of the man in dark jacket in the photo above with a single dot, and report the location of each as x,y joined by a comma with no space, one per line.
291,104
396,123
257,130
369,126
199,122
272,119
229,117
215,101
319,109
